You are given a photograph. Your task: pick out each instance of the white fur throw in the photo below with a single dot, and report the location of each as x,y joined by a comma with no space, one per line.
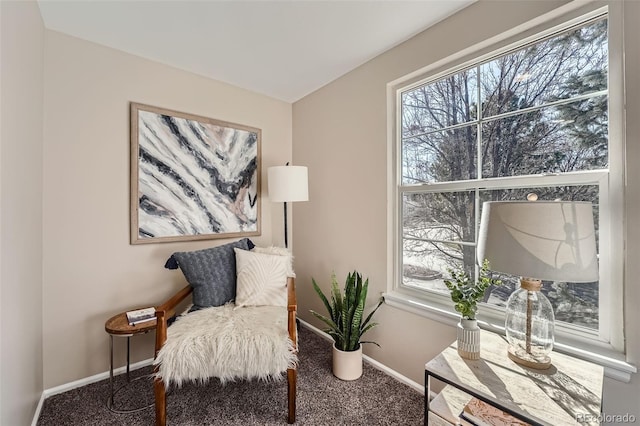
227,343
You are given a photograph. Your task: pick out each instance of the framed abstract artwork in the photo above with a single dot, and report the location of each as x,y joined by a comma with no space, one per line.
192,177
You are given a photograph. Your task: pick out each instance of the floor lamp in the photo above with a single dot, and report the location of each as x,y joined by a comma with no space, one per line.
288,184
537,240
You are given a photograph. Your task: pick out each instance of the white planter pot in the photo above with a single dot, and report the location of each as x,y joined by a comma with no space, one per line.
347,365
468,339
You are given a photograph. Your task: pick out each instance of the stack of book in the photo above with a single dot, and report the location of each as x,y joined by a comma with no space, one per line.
478,413
141,315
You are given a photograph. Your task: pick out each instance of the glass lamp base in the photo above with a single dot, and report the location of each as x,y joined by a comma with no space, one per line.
531,360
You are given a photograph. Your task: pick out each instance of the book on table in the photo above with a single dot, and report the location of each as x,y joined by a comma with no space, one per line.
141,315
480,413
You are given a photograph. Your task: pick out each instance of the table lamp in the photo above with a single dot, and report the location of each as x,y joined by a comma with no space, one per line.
537,240
288,183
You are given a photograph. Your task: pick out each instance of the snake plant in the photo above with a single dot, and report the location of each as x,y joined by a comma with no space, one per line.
346,310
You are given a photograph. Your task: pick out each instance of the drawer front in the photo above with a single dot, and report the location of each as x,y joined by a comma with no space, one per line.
436,420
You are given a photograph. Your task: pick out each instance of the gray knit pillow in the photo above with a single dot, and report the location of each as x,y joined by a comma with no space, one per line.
211,272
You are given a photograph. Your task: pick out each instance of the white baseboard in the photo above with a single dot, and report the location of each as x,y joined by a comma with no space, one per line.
83,382
36,415
120,370
376,364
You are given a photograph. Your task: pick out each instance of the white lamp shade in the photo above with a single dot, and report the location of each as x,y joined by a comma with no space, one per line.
546,240
288,183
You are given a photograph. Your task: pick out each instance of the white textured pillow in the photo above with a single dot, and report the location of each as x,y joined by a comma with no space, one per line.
262,279
280,251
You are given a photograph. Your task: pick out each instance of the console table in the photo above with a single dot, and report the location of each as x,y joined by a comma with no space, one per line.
568,393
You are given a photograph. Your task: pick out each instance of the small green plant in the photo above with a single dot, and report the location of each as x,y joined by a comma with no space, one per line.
346,310
465,293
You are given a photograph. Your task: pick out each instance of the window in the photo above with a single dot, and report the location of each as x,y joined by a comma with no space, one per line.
530,119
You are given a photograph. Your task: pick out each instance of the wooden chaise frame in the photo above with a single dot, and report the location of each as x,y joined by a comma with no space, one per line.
163,314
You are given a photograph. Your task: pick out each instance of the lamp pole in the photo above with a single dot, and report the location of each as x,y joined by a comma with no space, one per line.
286,245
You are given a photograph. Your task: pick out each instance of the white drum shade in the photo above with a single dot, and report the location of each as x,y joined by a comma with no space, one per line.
545,240
288,183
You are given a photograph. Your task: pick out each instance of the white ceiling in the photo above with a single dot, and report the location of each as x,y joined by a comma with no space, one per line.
283,49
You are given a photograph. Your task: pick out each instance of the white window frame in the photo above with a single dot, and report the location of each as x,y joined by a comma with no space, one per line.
607,347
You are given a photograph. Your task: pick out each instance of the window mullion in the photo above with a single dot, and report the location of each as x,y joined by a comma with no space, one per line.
547,105
479,126
511,182
479,159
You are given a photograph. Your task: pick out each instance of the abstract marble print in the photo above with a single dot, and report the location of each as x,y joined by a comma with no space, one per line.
196,178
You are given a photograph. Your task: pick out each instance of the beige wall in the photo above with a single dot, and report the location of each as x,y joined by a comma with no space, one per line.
21,206
90,270
340,132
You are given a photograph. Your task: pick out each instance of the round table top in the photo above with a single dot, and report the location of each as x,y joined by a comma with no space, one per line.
118,325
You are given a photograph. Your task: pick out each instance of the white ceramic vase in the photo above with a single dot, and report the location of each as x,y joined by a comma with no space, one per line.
347,365
468,339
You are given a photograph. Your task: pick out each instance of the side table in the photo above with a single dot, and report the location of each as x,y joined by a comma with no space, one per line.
568,393
118,326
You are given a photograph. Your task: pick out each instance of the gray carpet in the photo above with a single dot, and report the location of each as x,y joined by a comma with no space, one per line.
374,399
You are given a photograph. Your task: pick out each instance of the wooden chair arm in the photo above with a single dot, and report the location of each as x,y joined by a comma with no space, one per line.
162,312
292,304
292,307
